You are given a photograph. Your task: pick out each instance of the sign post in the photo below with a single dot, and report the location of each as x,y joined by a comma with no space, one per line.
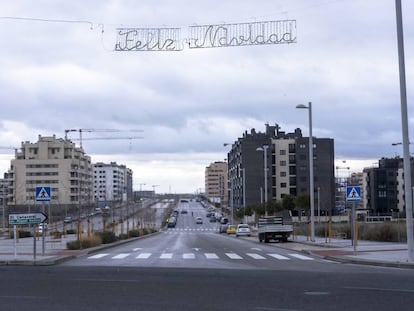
42,194
26,219
353,194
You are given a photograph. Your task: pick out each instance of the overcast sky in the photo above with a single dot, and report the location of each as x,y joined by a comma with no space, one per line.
67,75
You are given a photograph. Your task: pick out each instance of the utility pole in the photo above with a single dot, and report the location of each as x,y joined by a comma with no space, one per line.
406,140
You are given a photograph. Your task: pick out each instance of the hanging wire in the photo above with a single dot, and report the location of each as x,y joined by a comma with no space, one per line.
32,19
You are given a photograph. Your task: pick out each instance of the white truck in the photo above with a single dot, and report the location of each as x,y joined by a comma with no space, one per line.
274,228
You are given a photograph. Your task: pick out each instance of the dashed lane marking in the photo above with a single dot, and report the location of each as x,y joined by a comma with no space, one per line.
233,256
301,257
121,256
211,256
144,256
279,257
98,256
255,256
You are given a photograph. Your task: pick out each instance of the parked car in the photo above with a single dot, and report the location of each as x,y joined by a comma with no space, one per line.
212,218
224,220
243,229
41,227
199,220
68,220
231,229
223,228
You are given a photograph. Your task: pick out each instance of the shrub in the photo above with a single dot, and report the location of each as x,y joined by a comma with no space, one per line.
107,237
123,236
134,233
84,243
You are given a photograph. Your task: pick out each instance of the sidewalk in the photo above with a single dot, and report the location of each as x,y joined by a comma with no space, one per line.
341,250
23,252
387,254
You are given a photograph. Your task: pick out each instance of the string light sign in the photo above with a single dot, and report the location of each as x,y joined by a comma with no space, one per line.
206,36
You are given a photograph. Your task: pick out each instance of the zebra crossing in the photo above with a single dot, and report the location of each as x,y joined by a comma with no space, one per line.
193,256
189,230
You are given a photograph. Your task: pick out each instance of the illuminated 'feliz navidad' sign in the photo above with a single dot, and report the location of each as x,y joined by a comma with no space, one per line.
206,36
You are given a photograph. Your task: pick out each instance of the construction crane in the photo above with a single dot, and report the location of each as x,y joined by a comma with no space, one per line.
100,131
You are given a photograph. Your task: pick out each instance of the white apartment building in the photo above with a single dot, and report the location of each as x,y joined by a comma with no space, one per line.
112,183
50,162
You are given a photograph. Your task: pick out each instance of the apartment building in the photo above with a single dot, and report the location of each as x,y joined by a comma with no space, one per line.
383,187
216,182
112,183
52,162
273,164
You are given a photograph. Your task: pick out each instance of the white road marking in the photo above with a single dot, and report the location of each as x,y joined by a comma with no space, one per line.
233,256
137,249
280,257
211,256
188,256
166,256
121,256
144,256
97,256
300,257
255,256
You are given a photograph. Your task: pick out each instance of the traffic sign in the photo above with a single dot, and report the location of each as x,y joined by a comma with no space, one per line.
42,194
27,219
353,194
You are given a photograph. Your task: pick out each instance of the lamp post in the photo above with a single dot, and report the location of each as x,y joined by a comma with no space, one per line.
243,170
311,185
405,136
264,149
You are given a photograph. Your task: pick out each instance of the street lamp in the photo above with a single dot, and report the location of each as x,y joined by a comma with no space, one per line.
311,186
264,149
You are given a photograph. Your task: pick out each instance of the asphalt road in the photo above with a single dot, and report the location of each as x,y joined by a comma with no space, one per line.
155,289
192,267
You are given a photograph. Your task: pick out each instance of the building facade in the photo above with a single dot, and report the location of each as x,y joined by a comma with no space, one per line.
216,182
112,183
274,164
384,187
51,162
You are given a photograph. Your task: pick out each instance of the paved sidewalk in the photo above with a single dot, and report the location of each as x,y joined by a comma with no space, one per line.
367,252
23,251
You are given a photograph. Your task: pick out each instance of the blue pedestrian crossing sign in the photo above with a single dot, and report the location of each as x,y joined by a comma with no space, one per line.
353,194
42,194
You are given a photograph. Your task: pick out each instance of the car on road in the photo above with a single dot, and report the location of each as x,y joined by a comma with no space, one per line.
184,211
243,229
172,221
68,220
223,228
231,229
199,220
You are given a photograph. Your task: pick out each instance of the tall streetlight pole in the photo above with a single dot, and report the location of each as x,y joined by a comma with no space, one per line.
406,140
311,181
264,149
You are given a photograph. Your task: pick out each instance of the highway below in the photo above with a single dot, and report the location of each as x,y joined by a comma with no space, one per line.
193,267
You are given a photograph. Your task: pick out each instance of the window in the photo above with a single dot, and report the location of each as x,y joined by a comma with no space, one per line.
282,152
282,163
282,174
283,185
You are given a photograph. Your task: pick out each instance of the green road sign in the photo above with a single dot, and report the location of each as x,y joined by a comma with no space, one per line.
26,219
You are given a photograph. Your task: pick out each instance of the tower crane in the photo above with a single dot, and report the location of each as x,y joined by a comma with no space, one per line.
100,131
